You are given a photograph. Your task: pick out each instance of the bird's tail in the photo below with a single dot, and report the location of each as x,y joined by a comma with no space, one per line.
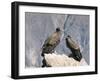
44,62
42,54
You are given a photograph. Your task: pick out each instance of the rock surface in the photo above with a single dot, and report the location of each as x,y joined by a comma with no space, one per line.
55,60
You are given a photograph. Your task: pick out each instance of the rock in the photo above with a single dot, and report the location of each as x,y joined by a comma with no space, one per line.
55,60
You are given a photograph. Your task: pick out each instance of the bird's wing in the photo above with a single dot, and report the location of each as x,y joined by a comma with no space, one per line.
57,42
53,40
73,44
46,42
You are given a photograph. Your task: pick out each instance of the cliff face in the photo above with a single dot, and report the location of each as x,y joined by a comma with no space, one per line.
38,26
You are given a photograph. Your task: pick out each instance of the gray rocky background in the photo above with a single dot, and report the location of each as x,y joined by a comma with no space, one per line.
38,26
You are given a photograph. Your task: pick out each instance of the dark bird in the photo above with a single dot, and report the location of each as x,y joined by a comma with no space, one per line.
74,47
50,43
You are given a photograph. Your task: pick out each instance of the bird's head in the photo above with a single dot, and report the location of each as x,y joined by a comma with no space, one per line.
68,37
58,29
